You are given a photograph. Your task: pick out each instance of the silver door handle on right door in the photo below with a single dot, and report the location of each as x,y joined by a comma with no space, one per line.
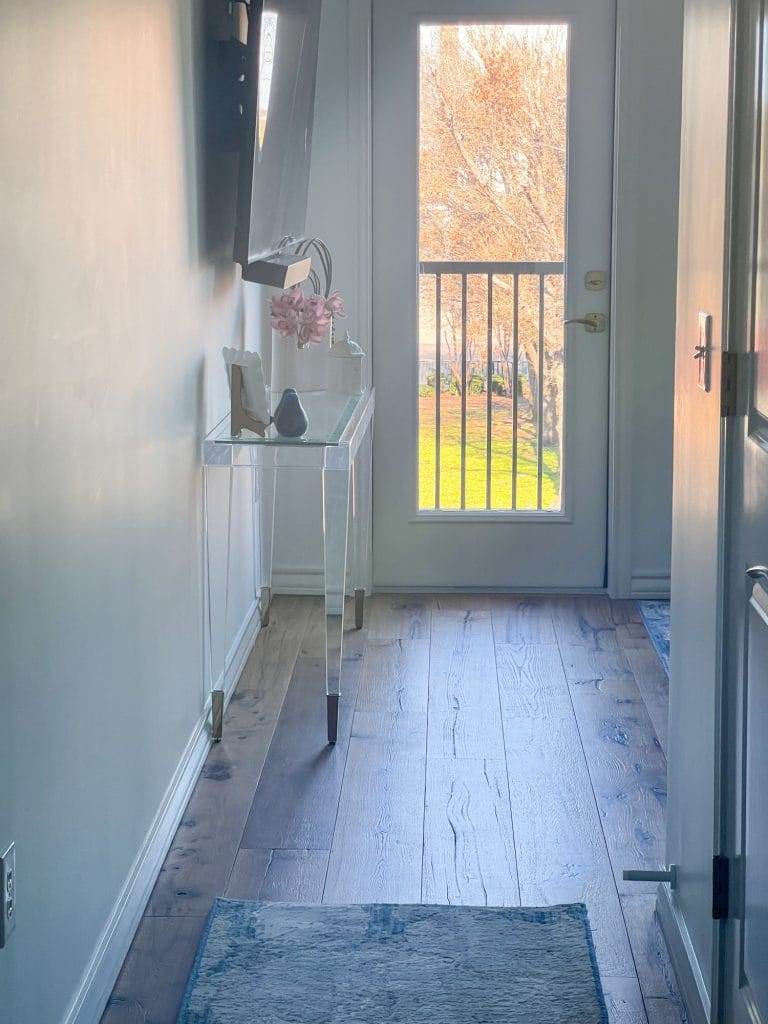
758,572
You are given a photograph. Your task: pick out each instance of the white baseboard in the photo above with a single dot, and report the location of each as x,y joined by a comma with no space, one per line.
684,962
288,579
650,587
98,980
439,589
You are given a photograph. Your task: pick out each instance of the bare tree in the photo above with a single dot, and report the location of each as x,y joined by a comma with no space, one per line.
493,176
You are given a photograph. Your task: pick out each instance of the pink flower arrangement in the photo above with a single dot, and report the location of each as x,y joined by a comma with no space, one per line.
306,317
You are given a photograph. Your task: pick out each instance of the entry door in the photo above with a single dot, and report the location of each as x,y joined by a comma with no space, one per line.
747,791
492,171
698,526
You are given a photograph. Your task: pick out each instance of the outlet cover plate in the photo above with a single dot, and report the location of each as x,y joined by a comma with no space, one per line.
7,894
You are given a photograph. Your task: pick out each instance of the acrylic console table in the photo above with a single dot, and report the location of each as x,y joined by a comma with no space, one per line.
337,449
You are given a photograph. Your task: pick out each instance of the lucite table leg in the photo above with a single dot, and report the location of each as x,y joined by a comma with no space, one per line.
336,493
362,524
217,681
267,497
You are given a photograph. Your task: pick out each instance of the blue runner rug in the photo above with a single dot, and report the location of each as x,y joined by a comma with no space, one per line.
657,619
280,963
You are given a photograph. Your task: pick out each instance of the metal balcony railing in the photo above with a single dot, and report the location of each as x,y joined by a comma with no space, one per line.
438,269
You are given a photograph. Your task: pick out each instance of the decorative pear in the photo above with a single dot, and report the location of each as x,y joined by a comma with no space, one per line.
290,418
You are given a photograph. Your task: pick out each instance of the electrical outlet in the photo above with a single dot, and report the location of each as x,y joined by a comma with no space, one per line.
7,894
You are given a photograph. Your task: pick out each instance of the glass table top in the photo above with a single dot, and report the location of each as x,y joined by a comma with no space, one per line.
329,413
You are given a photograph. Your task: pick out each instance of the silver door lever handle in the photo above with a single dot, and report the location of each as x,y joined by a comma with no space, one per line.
758,572
594,323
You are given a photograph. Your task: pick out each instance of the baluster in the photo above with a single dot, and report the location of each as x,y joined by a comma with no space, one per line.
515,365
438,380
489,396
463,391
540,400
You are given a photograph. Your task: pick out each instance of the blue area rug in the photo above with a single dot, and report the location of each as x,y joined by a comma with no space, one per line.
656,618
280,963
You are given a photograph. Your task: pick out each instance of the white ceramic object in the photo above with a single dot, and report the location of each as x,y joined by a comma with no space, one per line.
346,370
304,369
255,399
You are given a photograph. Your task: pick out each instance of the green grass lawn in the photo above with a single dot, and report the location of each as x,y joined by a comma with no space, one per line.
501,456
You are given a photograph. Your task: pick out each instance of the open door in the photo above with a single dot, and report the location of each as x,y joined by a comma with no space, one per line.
744,964
698,504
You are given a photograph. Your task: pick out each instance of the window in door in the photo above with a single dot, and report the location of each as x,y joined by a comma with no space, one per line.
492,202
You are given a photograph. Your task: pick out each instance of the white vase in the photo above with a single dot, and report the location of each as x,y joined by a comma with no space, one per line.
304,369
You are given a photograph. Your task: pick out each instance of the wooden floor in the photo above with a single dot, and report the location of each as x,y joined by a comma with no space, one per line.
500,750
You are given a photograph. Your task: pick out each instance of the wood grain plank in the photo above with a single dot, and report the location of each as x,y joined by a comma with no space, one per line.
561,851
473,733
633,636
298,793
623,1000
595,670
666,1011
469,847
289,876
584,620
204,848
532,683
653,684
153,978
654,968
460,603
624,611
630,628
394,676
377,844
268,670
313,643
399,616
625,759
628,772
522,619
462,668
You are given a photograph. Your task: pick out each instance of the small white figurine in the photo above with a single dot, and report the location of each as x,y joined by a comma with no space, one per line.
347,373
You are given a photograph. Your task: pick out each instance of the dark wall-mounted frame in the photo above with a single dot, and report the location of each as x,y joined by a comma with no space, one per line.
294,85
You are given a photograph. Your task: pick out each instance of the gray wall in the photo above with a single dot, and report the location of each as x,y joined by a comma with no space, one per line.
112,318
648,98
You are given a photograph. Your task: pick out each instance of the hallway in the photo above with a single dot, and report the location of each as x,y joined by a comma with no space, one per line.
500,750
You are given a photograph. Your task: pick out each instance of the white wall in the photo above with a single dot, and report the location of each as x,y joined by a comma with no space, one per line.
649,69
111,322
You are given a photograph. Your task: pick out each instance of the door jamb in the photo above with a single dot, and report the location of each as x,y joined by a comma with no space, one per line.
623,578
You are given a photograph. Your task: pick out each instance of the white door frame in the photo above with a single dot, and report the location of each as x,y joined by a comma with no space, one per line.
654,24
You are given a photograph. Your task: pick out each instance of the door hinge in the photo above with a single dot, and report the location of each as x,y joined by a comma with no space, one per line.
729,384
720,887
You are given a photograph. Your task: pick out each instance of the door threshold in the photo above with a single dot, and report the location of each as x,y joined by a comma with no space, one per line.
440,589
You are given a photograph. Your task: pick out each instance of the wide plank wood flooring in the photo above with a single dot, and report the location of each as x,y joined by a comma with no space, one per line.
492,750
